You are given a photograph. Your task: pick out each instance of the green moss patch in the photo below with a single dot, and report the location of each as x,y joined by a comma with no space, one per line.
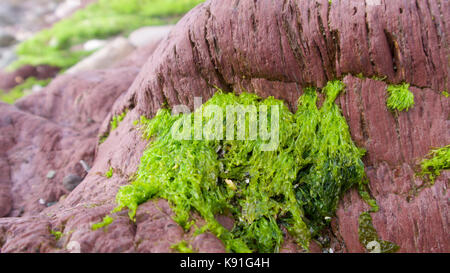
109,173
107,220
400,97
56,234
182,247
101,19
436,161
116,120
295,187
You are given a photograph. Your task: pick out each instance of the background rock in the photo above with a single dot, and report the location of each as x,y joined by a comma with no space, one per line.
6,39
7,56
9,80
148,35
111,53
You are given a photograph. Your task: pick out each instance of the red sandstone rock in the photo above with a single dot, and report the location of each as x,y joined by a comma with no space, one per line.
266,47
9,80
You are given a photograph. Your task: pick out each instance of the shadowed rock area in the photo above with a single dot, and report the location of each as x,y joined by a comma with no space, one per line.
271,48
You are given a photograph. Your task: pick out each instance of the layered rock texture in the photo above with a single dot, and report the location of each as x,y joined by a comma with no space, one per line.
271,48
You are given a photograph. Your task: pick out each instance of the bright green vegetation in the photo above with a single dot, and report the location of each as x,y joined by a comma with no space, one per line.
182,247
297,186
20,90
436,161
400,97
116,120
109,173
107,220
56,234
102,19
445,94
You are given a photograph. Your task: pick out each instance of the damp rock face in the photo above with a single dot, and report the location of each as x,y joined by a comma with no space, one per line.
271,48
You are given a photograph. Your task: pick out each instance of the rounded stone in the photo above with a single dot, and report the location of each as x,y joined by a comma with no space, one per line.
71,181
6,39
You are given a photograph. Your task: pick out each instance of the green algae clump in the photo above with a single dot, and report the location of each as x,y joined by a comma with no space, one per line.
400,97
294,187
56,234
109,173
107,220
436,161
182,247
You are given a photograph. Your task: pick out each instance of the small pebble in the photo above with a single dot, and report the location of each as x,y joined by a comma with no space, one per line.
85,166
36,88
49,204
94,44
42,201
51,174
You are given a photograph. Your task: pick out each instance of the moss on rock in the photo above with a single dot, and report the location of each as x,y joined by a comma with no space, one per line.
436,161
400,97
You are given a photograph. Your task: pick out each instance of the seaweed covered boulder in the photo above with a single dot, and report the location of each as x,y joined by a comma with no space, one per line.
280,49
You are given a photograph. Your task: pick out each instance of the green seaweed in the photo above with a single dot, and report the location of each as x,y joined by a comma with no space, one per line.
182,247
445,94
21,90
109,173
297,186
56,234
436,161
114,123
400,97
107,220
102,19
117,120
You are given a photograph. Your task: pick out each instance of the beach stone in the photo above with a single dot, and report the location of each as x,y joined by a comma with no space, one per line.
111,53
6,39
148,35
71,181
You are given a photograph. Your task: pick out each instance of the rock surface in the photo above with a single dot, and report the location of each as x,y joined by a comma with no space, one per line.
266,47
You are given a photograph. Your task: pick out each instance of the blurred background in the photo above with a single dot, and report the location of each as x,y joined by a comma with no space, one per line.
40,39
